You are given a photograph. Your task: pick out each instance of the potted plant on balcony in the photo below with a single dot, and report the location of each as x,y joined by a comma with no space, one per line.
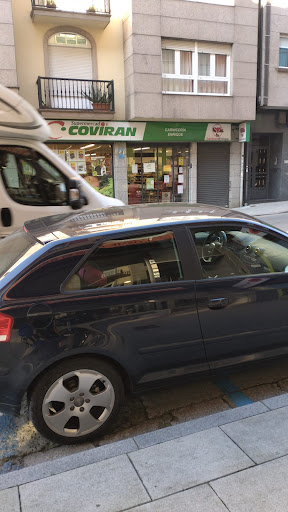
99,99
50,4
91,9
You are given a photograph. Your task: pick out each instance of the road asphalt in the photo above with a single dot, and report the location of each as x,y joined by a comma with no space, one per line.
235,460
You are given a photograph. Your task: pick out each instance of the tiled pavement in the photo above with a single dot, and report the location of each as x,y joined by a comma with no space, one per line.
234,460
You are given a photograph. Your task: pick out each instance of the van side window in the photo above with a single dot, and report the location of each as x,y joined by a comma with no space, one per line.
131,261
30,179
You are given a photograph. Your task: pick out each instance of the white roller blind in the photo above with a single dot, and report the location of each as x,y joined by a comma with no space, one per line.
70,62
202,46
178,44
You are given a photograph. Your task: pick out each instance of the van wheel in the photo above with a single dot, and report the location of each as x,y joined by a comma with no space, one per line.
76,400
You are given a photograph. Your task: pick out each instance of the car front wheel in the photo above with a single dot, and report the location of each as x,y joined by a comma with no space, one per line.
76,400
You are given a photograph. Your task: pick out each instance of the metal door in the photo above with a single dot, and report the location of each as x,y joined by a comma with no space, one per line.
213,173
259,171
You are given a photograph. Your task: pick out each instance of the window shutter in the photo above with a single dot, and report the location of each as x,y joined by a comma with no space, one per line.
70,62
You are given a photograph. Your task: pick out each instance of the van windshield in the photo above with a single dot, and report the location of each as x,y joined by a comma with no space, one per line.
14,249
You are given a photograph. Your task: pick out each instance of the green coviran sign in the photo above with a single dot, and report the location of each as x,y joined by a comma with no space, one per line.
114,131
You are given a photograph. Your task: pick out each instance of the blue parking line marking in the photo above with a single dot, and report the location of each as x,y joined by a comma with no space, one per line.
232,391
8,437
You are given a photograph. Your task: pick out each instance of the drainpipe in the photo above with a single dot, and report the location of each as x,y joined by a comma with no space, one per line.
267,52
259,55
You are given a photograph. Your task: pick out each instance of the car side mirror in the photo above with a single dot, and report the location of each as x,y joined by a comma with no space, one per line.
75,199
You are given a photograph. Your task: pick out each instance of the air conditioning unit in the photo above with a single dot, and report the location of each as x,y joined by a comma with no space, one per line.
281,117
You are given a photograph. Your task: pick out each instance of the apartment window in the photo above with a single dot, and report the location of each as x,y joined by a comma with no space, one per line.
194,70
67,39
283,52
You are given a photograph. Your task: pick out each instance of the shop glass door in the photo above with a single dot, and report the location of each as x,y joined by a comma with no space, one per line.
158,174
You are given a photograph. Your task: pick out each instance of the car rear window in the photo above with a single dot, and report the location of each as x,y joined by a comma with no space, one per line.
14,249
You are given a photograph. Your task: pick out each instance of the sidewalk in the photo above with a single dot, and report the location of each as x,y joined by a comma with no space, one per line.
235,460
260,209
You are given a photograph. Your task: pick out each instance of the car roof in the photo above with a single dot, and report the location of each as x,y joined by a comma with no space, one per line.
89,222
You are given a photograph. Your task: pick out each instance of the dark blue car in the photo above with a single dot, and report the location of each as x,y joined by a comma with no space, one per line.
106,302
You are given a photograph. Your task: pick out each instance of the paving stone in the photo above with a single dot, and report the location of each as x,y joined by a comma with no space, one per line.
262,391
203,409
171,398
9,500
183,463
262,437
110,486
186,501
277,401
259,489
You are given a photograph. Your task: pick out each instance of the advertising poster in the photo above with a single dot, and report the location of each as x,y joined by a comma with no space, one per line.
73,153
166,178
149,166
149,183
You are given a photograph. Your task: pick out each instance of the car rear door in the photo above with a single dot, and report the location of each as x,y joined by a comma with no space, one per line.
137,301
242,293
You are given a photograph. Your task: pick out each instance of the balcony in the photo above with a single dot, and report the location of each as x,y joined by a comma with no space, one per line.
86,13
92,97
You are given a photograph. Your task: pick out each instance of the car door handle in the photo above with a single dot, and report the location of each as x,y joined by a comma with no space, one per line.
6,217
219,303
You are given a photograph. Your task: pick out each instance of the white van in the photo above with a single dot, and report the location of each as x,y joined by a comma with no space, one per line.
34,182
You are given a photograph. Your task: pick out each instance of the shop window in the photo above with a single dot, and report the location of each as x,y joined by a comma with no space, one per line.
283,52
92,161
157,174
194,69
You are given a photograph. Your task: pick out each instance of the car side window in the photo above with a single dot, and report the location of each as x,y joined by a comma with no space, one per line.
131,261
226,251
30,179
47,275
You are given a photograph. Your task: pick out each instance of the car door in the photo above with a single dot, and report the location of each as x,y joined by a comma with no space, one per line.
137,305
242,294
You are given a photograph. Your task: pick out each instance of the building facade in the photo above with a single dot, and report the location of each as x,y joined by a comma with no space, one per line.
267,170
150,101
8,75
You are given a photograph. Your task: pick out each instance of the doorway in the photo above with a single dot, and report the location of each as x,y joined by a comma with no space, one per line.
259,168
158,174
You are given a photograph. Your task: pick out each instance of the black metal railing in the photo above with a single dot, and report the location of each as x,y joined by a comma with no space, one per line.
75,94
90,6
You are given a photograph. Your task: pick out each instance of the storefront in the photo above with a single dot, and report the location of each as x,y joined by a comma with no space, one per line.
148,162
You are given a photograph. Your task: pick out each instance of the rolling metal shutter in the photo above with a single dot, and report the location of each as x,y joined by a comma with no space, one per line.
213,173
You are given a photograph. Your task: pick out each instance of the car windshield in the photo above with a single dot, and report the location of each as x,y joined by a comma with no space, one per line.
14,249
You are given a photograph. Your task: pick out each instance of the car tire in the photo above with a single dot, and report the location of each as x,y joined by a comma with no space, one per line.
76,400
